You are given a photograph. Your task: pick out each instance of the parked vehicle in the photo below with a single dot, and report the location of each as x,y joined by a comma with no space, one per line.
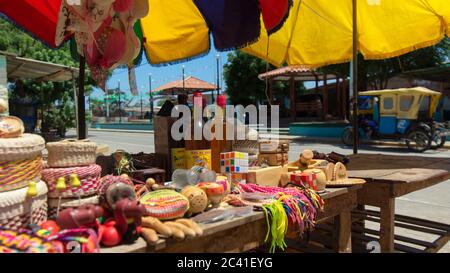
440,132
404,113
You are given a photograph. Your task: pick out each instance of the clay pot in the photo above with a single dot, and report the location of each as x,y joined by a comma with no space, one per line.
198,200
214,191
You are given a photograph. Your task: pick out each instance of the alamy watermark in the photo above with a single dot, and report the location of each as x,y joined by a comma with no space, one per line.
212,128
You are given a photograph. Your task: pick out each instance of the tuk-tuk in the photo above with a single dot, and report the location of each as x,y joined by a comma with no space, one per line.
405,113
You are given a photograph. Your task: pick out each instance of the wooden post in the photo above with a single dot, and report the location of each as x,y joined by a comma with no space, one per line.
293,102
80,101
355,78
338,98
343,230
325,96
387,217
270,91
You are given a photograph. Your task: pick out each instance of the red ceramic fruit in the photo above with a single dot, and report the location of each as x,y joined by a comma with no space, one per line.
110,234
50,226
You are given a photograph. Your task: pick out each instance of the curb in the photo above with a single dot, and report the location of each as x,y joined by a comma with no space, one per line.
122,131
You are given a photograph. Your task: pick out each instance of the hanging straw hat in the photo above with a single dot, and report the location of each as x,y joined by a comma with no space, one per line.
11,127
339,176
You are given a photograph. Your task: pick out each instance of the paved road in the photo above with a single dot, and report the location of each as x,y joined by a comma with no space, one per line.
432,203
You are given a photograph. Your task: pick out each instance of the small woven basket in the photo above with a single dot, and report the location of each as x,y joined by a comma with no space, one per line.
27,146
165,204
68,203
18,211
89,177
70,153
19,173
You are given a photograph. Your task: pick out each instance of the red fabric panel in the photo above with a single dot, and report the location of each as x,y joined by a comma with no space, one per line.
274,13
38,17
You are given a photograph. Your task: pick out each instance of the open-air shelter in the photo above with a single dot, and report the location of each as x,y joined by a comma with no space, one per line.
186,86
292,74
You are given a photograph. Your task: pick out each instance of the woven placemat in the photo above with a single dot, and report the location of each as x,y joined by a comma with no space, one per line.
345,182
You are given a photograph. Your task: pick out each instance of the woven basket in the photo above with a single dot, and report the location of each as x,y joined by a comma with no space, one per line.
89,177
68,203
28,146
17,174
70,153
165,204
17,211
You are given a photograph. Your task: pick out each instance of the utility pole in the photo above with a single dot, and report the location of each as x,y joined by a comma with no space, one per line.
120,112
182,67
218,76
107,104
150,93
142,109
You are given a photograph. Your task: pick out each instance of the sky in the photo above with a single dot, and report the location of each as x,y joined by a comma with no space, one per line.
203,68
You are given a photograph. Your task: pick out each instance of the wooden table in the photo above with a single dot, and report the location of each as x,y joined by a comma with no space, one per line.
248,232
389,177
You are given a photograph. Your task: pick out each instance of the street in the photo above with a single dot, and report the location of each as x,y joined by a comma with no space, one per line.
432,203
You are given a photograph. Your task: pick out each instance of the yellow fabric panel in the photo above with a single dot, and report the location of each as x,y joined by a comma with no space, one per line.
174,30
323,34
322,30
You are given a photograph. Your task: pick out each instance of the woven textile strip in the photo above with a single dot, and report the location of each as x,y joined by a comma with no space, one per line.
89,177
38,216
19,172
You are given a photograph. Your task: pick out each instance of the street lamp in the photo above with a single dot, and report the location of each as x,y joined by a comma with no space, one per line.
218,75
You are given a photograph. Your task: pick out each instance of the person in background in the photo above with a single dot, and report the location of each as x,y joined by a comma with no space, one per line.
24,106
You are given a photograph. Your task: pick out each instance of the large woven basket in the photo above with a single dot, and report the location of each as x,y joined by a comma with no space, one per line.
17,174
69,153
89,177
165,204
17,210
68,203
27,146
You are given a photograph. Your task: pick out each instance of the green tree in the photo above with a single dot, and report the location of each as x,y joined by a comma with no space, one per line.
48,94
241,78
375,74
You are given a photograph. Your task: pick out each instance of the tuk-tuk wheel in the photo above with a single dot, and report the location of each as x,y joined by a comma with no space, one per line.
347,136
418,141
438,142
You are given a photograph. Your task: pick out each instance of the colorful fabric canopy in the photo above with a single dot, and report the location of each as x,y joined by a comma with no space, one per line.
319,32
179,29
37,17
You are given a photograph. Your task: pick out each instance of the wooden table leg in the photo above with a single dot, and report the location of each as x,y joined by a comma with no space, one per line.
387,214
343,231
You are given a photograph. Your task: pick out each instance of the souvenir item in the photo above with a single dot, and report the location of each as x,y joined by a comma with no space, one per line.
273,146
3,106
305,157
19,208
68,203
305,179
89,177
321,179
70,153
269,176
198,199
234,162
43,241
11,127
17,174
273,159
83,216
214,191
113,188
165,204
25,147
